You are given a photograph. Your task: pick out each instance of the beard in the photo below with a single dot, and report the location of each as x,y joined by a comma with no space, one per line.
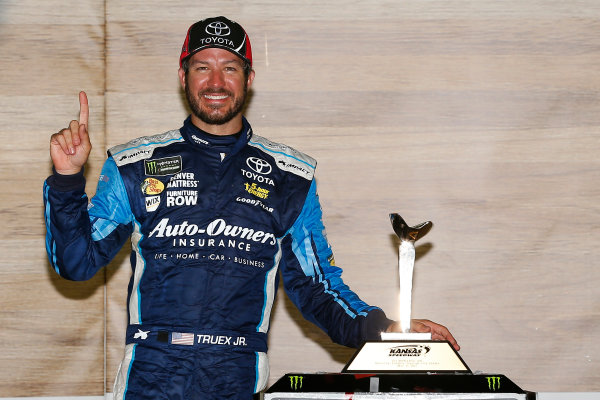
213,116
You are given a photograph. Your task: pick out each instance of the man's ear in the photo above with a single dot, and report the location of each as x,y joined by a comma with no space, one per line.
182,78
250,78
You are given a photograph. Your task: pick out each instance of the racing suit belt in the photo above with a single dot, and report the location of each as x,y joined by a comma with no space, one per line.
157,335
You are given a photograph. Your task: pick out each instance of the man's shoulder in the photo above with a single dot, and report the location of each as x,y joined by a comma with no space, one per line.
142,148
286,157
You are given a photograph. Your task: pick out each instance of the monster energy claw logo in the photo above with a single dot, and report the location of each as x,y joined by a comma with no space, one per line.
296,382
493,383
162,166
151,167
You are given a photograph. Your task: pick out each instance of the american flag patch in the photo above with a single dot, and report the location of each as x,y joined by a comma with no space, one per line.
186,339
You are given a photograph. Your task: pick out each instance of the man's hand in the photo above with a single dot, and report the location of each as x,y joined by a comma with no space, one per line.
438,332
70,148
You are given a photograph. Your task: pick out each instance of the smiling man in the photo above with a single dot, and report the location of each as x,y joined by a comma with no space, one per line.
216,85
216,214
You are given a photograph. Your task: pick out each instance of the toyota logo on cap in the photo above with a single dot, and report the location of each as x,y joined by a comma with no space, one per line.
218,28
259,165
218,32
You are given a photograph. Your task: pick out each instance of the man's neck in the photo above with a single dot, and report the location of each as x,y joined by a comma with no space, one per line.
229,128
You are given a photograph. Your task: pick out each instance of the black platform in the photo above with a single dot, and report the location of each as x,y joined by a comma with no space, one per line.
346,386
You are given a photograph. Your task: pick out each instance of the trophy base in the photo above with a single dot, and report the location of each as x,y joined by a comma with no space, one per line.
405,336
343,386
399,369
406,356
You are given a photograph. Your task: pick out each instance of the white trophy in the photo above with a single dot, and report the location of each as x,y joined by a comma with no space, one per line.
402,365
406,262
406,352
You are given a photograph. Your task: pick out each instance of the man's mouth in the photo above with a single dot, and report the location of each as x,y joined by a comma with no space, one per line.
215,96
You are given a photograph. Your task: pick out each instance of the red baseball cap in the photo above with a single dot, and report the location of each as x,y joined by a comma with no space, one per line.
217,32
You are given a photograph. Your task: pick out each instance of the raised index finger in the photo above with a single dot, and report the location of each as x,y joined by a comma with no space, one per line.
84,110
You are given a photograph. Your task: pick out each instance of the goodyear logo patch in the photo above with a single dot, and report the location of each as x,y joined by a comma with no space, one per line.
162,166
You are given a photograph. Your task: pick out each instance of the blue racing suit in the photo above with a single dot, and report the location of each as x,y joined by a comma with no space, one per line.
211,220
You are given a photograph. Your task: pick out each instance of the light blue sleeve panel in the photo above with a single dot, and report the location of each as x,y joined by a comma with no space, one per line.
314,283
82,238
110,206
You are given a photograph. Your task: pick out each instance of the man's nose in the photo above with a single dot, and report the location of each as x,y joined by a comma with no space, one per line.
216,79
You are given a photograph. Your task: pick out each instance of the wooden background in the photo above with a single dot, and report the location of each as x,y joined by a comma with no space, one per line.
481,116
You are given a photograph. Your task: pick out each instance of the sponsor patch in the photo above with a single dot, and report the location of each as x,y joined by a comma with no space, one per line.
152,203
152,186
163,166
133,155
254,202
183,180
295,167
259,165
216,228
256,190
182,198
257,177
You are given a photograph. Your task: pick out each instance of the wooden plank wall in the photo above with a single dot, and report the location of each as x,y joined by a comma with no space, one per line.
480,116
51,330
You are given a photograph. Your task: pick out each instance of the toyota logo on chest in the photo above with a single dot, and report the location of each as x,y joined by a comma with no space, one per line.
259,165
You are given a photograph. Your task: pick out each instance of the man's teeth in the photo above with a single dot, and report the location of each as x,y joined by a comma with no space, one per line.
215,96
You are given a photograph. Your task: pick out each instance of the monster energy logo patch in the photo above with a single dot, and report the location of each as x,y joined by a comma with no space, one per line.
493,383
163,166
296,382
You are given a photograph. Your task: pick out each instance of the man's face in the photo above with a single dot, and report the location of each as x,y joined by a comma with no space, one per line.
216,86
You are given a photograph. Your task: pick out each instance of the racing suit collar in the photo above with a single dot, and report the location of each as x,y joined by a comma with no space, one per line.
229,144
